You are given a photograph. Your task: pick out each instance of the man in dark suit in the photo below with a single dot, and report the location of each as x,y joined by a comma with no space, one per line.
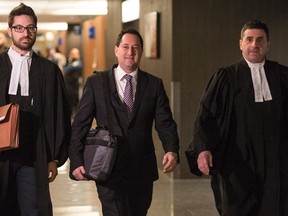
129,189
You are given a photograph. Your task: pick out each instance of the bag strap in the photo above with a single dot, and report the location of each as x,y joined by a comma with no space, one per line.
105,87
113,123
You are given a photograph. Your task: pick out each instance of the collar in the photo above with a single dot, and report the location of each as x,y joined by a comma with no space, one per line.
120,73
255,65
17,55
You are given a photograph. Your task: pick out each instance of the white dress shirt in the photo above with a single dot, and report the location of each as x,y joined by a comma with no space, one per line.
121,81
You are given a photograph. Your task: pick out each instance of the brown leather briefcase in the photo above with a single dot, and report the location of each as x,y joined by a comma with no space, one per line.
9,127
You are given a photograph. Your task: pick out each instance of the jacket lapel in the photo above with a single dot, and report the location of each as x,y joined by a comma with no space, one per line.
116,102
142,83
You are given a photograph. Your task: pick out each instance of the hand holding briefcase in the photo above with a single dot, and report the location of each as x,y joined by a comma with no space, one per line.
99,154
9,127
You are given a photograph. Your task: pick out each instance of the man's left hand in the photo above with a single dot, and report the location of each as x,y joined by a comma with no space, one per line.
170,162
52,170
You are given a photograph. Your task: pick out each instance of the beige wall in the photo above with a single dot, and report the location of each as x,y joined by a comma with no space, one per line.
94,48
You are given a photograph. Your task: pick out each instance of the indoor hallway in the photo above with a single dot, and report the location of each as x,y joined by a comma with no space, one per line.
191,197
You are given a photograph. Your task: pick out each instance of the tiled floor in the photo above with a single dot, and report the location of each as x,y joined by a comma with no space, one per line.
171,197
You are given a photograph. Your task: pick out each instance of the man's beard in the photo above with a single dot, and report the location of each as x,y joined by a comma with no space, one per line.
27,46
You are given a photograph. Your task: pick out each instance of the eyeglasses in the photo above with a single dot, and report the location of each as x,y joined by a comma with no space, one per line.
20,28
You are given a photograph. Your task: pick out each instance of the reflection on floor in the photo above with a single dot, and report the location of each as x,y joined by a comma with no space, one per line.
171,197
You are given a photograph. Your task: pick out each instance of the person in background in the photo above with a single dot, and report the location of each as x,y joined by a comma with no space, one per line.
240,132
129,189
37,86
3,42
57,57
73,77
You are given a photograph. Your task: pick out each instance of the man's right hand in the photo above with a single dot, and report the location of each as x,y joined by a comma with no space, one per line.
205,162
78,174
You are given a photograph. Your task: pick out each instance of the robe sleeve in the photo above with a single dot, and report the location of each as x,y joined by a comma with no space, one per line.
214,115
63,122
58,118
284,81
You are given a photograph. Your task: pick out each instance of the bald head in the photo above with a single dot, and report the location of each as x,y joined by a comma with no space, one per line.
74,53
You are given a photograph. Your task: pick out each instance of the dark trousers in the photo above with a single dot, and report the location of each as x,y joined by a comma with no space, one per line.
134,200
21,187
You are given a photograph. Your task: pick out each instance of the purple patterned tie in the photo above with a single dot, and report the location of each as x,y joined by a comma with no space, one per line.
128,95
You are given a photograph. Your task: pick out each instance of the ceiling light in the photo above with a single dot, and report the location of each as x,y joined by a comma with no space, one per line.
49,36
41,26
53,26
130,10
55,7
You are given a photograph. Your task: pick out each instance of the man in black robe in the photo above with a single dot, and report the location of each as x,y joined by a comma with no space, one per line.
37,85
240,133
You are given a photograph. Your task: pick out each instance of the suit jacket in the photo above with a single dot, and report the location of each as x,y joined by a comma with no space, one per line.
52,128
136,160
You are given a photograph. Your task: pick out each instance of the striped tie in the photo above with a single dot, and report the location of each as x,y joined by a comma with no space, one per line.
128,96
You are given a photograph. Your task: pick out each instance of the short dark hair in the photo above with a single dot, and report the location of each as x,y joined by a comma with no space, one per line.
255,24
129,31
21,9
